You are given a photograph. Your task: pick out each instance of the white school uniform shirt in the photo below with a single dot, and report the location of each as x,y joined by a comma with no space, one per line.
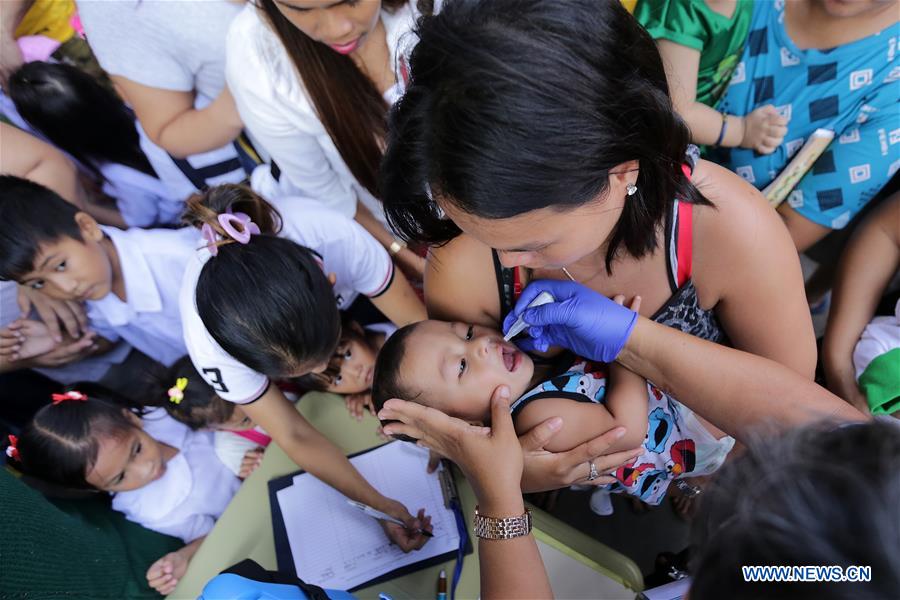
142,200
191,494
359,263
231,447
277,110
153,262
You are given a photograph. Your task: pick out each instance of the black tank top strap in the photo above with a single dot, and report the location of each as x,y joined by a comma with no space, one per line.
508,294
506,286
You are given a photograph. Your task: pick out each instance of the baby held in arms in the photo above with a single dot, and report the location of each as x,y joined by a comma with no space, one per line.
455,368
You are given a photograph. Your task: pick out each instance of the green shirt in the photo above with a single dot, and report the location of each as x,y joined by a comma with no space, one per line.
73,549
691,23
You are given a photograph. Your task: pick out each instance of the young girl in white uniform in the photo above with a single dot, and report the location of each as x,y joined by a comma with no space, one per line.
260,302
163,475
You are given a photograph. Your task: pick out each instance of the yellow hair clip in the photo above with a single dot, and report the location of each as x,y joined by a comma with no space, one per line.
176,392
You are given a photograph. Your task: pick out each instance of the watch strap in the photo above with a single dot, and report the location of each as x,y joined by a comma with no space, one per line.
502,528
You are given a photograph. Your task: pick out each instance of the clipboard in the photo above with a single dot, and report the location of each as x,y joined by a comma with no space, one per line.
284,556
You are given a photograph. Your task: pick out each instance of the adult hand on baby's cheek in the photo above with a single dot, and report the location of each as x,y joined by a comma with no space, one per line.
164,574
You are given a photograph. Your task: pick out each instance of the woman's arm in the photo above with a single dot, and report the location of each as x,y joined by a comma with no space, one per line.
745,265
869,262
399,302
11,14
172,122
736,391
626,406
318,455
25,156
411,263
491,460
460,284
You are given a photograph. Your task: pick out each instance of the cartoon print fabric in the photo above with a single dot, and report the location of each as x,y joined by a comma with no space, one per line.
670,446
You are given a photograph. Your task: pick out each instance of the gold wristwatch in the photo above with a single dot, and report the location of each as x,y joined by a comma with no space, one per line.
507,528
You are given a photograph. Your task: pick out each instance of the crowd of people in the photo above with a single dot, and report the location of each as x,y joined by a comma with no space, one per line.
209,208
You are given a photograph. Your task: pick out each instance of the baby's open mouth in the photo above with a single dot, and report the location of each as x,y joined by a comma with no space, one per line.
512,358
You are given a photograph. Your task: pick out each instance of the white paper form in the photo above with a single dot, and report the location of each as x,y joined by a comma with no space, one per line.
337,546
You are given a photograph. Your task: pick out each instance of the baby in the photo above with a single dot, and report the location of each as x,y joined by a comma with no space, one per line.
455,368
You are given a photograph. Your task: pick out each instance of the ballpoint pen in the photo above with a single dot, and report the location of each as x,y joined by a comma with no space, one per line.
377,514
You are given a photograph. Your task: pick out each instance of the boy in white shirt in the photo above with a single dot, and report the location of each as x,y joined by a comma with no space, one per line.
129,279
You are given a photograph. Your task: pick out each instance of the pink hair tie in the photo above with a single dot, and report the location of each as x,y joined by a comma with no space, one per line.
228,222
12,450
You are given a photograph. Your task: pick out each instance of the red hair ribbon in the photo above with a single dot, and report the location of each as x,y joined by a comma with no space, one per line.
70,395
12,451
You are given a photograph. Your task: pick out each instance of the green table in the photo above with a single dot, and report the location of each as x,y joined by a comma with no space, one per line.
245,528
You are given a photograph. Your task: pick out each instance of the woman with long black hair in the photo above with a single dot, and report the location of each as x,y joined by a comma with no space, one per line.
313,81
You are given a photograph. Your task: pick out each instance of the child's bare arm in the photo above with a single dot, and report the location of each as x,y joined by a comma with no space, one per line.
165,573
626,395
582,421
867,265
626,400
762,130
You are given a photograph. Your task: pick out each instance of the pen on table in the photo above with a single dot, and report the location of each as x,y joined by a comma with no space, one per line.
442,586
377,514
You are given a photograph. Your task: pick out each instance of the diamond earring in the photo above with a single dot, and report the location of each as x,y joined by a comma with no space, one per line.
631,189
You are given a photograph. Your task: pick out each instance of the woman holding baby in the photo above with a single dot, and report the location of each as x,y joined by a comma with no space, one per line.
524,157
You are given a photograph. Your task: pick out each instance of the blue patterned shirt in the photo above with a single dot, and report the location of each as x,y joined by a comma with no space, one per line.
852,90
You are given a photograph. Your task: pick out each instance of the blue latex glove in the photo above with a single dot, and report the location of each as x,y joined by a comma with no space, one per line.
587,323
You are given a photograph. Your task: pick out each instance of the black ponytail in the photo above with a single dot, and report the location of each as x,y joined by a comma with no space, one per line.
267,302
78,114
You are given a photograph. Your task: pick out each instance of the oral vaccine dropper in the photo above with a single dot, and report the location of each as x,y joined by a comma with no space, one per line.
520,325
